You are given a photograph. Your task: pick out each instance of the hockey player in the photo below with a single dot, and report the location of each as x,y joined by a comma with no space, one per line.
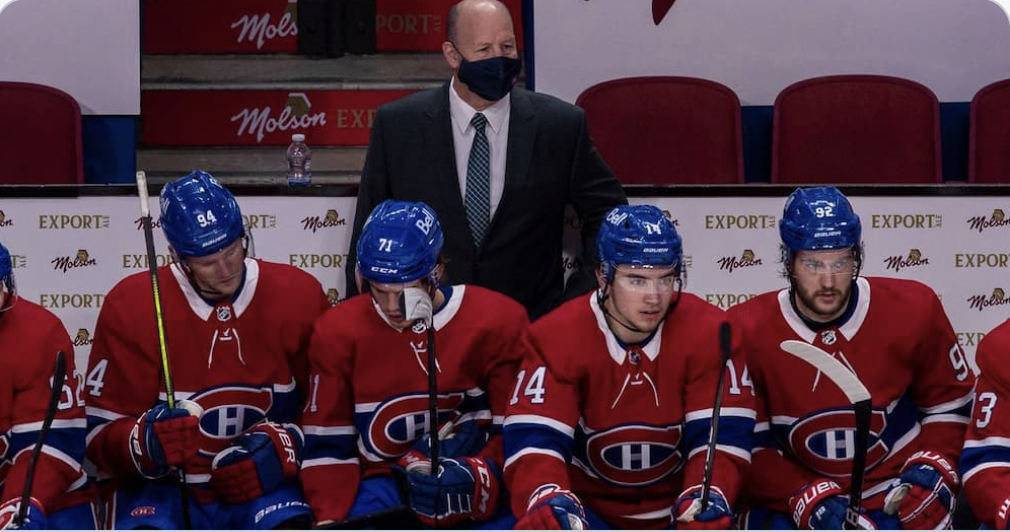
367,413
894,336
985,461
237,331
30,337
609,422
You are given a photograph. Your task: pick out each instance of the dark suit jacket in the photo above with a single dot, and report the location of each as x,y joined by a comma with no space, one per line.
550,162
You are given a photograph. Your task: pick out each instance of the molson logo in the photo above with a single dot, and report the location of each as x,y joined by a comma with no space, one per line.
4,221
982,302
897,262
314,260
981,223
73,221
134,261
315,223
906,221
295,115
333,295
155,223
71,300
740,221
80,261
83,338
258,29
746,260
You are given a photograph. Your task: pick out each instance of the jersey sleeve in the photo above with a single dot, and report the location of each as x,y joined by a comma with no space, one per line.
514,347
300,331
539,429
59,467
734,440
123,382
330,470
942,385
985,461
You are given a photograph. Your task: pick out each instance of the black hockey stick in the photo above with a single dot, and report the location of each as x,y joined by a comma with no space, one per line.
59,376
725,347
397,517
862,405
166,372
416,305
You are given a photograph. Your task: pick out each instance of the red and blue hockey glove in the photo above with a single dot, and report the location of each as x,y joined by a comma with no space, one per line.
821,505
552,508
35,518
466,488
689,516
257,462
924,495
164,437
455,441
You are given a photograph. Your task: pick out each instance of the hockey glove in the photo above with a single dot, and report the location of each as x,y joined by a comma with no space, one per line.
552,508
164,437
821,505
717,516
257,462
455,441
466,488
924,494
35,518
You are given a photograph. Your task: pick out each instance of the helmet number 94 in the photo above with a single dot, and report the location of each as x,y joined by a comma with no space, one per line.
205,219
826,210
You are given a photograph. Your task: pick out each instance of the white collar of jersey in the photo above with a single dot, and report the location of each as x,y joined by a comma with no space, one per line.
617,352
848,330
203,309
442,315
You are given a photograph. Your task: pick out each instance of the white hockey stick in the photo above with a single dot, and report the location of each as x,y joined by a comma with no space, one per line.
860,398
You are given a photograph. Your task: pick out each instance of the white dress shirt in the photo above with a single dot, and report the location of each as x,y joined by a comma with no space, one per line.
497,131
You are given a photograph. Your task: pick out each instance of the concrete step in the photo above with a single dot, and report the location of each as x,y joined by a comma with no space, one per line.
387,71
251,165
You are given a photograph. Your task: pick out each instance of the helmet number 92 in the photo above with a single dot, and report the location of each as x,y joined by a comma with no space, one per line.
822,212
205,219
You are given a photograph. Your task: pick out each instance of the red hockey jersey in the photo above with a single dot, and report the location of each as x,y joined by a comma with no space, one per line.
900,344
242,360
369,398
30,337
985,462
626,429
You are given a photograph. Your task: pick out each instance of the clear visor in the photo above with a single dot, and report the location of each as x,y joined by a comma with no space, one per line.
842,266
646,279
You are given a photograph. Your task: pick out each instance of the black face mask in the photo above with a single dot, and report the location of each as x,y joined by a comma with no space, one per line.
491,78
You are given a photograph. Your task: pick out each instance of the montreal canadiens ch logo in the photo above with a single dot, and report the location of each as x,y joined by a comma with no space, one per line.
229,411
399,422
634,455
826,441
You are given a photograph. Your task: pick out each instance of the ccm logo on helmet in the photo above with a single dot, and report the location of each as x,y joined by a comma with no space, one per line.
380,269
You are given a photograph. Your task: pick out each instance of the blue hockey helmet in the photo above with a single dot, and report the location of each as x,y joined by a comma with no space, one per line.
820,218
400,243
637,235
199,216
7,276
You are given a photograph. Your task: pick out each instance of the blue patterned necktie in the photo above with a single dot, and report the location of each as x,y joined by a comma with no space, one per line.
478,182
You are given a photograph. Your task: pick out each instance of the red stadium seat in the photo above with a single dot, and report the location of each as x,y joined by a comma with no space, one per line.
989,144
856,129
40,141
666,129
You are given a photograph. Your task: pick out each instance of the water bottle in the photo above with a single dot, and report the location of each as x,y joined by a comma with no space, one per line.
299,162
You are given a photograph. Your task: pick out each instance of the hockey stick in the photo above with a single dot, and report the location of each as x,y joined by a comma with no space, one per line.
397,517
59,376
416,305
862,404
152,265
724,347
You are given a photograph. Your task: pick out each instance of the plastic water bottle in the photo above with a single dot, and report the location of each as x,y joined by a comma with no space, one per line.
299,162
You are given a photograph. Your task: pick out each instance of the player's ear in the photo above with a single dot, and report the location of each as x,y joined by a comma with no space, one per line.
600,279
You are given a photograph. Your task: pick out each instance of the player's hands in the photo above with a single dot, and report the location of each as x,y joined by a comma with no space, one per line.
924,494
455,441
821,505
164,437
35,518
257,462
552,508
466,488
689,516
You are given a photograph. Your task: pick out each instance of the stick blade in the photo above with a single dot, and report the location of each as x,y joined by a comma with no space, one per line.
830,366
